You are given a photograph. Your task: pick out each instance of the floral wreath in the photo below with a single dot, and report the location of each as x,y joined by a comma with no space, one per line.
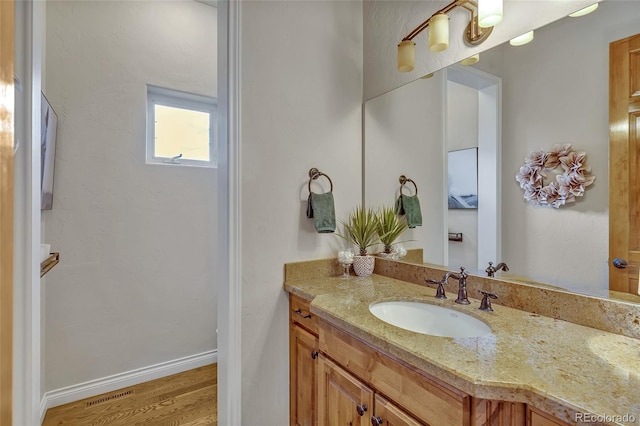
566,186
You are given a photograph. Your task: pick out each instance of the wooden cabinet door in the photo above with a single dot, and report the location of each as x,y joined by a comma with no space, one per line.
486,412
429,400
624,164
342,399
388,414
303,361
538,418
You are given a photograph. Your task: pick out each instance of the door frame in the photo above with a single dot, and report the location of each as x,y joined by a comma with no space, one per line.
229,219
229,303
7,123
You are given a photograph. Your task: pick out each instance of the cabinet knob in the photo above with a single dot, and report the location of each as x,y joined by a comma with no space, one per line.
314,354
376,421
361,408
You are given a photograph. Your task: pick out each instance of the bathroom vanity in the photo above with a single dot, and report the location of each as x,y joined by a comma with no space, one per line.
349,367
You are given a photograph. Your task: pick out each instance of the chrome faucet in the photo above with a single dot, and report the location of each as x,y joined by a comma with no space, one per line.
462,285
491,270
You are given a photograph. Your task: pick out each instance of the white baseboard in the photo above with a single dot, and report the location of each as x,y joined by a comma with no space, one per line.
95,387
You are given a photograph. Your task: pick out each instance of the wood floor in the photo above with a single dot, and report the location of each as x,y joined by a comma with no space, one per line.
185,399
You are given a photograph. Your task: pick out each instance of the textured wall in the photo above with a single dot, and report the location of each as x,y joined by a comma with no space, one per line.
386,22
136,283
301,108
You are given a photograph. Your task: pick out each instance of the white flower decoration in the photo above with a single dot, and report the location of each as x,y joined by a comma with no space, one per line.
566,186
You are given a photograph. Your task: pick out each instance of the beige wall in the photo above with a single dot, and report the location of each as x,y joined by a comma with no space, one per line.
301,100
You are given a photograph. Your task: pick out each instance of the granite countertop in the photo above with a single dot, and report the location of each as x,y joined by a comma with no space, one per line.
557,366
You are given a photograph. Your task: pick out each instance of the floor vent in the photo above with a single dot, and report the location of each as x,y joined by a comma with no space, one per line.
108,398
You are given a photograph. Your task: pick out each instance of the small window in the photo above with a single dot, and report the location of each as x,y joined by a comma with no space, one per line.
181,128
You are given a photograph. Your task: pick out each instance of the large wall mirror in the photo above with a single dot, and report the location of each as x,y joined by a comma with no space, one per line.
515,100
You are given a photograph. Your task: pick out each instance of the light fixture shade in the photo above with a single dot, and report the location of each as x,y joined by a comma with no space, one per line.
489,13
522,39
471,60
439,32
584,11
406,56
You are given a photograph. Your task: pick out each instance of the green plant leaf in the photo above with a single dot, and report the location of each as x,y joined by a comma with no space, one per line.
389,225
361,229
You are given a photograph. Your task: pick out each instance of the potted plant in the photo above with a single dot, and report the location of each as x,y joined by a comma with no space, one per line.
361,229
389,227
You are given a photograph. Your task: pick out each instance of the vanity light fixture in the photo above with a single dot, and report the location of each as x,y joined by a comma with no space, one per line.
439,32
522,39
406,55
438,25
489,13
470,60
584,11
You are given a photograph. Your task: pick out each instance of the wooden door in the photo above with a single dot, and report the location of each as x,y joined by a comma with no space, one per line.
388,414
624,163
303,361
342,399
6,209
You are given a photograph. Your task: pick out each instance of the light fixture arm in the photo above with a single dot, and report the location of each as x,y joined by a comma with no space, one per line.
474,35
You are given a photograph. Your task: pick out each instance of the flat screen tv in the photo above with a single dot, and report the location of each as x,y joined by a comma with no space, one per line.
48,129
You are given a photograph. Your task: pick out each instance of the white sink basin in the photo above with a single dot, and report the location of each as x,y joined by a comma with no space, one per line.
429,319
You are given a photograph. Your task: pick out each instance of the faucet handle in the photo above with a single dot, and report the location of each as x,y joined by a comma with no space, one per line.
490,270
440,291
485,303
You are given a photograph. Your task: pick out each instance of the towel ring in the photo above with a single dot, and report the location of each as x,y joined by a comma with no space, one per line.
315,174
403,179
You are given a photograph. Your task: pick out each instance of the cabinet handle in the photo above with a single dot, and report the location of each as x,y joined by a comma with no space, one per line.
376,421
314,354
361,408
299,312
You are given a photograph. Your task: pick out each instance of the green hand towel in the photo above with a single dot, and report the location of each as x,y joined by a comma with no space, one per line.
320,208
409,205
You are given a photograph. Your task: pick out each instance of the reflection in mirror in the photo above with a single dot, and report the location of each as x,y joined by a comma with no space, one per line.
397,127
553,90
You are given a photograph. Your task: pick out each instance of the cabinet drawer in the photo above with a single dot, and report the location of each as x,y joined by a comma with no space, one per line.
300,313
427,399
